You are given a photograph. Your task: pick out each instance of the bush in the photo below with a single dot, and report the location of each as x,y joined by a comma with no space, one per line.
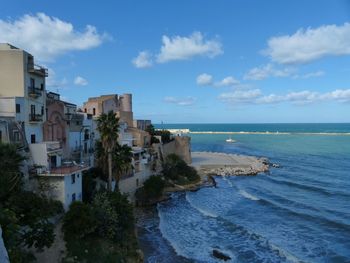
177,170
154,187
79,221
89,184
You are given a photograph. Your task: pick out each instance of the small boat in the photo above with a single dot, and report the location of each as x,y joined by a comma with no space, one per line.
230,140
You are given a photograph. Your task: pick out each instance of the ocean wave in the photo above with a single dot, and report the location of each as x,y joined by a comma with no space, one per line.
248,195
322,220
199,209
272,133
283,253
307,187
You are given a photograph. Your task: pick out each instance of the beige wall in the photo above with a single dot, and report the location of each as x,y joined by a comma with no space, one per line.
181,146
12,73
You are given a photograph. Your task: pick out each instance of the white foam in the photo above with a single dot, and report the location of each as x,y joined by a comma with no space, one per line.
287,255
248,195
202,211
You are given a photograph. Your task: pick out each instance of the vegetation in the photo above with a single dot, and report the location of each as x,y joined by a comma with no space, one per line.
152,189
154,186
108,127
165,134
89,184
24,216
102,231
176,170
110,154
10,176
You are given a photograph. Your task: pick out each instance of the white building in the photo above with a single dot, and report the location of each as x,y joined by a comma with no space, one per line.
22,91
59,180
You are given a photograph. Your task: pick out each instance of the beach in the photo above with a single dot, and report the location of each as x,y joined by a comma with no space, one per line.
216,163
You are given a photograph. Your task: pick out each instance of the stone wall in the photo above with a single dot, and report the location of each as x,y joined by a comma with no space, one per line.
181,146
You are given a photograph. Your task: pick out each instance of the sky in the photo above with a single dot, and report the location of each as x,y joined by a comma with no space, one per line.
192,61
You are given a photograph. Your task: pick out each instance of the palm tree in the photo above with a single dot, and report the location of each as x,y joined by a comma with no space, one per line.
122,158
108,127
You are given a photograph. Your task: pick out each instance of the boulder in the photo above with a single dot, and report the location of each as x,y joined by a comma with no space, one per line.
218,254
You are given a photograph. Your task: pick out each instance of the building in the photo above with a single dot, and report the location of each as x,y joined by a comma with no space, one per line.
142,124
22,92
59,179
121,105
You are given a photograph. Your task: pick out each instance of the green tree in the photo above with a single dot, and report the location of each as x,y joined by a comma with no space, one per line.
10,176
122,158
153,187
108,127
177,170
79,221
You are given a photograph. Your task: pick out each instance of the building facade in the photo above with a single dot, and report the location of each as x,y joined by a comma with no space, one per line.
22,91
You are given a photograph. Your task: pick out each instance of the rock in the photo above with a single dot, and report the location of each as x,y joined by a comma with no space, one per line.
218,254
275,165
3,253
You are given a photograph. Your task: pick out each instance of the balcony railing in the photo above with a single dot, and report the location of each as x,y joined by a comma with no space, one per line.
38,70
34,92
35,117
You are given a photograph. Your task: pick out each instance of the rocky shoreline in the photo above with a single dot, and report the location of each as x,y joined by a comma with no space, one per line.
222,164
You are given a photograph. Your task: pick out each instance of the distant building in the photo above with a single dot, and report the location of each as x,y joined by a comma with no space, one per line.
142,124
22,92
121,105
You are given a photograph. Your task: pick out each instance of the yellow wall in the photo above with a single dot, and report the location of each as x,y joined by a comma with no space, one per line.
11,73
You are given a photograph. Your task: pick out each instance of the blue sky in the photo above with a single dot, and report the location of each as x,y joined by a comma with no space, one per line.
192,61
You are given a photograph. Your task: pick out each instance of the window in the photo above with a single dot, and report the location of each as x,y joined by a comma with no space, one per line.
93,111
16,136
42,110
73,197
18,108
32,109
73,178
32,82
137,182
42,86
32,138
85,110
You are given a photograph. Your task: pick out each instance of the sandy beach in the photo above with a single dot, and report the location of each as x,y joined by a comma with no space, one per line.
213,163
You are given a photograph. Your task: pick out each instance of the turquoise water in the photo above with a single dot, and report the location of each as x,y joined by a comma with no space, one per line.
299,212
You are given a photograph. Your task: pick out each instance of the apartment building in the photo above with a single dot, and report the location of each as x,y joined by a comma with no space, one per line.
22,92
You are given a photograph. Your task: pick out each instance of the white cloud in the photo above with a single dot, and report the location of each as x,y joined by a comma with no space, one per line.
48,37
183,48
228,81
180,101
239,96
204,79
143,60
80,81
310,44
207,80
315,74
265,71
53,82
300,97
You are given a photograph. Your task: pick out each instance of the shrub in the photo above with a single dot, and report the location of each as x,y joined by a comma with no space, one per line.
153,187
79,221
177,170
89,184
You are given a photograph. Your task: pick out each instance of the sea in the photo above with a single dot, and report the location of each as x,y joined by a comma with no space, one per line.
299,212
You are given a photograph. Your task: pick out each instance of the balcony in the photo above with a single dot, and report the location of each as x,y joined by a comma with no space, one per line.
35,117
34,92
37,70
53,146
